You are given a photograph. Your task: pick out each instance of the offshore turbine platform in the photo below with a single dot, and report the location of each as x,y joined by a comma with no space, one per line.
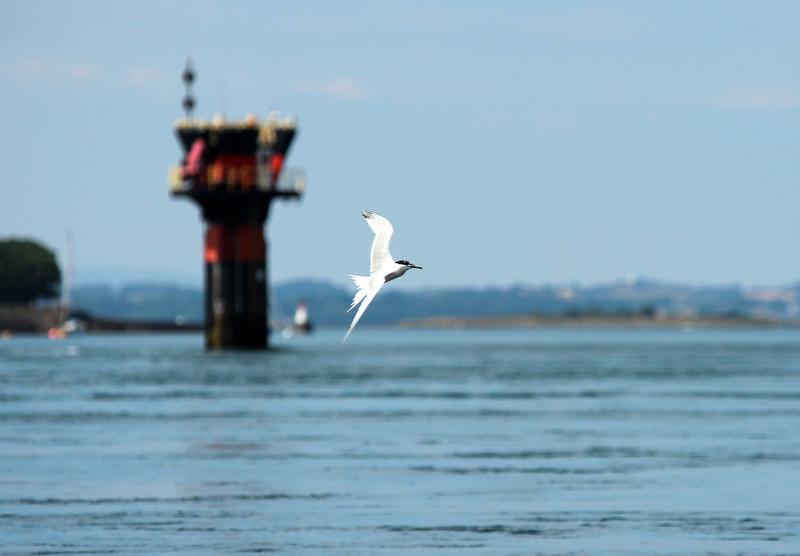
233,171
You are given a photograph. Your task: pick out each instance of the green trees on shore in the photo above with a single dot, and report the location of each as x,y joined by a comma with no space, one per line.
28,271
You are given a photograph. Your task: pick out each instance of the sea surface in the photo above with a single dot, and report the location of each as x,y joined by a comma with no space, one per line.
457,442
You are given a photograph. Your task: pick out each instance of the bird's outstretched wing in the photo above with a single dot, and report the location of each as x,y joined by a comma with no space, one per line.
363,307
379,255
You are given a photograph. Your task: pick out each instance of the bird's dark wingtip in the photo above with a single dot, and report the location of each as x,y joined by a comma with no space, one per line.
367,213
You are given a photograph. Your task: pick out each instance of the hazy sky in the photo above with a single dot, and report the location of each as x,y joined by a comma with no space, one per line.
507,141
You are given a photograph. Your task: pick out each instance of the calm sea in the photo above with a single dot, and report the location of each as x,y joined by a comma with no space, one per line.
606,442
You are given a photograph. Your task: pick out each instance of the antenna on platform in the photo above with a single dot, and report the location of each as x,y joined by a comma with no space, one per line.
188,80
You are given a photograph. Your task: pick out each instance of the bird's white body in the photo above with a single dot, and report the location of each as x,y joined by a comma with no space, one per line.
383,268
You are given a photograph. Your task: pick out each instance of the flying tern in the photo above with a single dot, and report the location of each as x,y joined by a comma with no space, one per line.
382,266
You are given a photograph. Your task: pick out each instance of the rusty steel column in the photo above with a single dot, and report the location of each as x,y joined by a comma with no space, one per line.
236,292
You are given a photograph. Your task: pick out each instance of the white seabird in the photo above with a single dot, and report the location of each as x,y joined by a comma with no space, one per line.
382,266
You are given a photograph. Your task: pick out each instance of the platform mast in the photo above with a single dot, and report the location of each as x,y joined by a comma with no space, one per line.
233,171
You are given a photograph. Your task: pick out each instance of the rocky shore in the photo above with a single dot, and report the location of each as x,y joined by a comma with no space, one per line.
30,319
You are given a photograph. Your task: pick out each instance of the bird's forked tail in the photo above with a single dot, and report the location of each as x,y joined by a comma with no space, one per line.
361,292
362,296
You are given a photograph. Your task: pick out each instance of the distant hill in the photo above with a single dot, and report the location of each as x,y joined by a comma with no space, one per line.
140,302
328,302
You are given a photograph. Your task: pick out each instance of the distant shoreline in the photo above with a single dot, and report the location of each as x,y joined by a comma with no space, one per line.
28,319
598,321
21,319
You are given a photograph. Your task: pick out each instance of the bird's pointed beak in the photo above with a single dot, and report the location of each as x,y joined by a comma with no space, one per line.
415,266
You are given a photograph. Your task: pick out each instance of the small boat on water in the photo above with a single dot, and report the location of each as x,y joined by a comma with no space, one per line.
66,328
301,323
66,325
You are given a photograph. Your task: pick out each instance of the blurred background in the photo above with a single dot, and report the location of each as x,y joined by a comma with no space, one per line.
509,143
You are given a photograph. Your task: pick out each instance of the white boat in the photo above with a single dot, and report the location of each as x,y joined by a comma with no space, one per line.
301,323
